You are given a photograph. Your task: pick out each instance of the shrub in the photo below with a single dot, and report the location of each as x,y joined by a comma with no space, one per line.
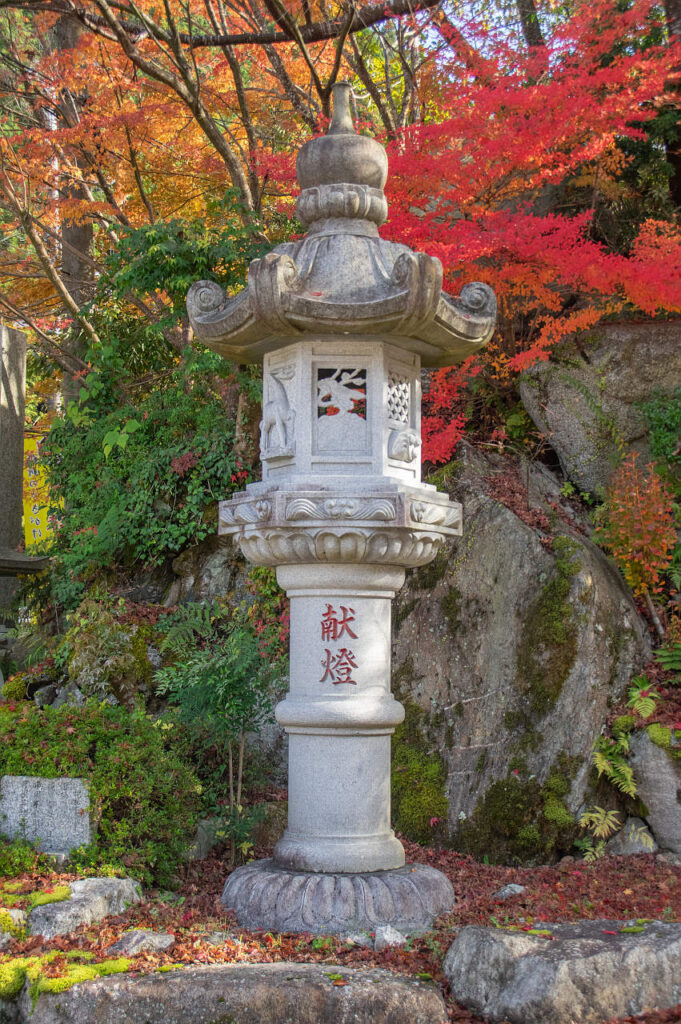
144,798
15,687
219,679
18,857
104,655
638,525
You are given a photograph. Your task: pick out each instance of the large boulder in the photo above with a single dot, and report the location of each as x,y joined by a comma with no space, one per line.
578,973
586,399
508,651
656,760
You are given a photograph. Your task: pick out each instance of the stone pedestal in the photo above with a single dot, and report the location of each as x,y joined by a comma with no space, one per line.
342,321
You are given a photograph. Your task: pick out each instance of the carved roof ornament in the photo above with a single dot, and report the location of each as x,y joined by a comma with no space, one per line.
342,277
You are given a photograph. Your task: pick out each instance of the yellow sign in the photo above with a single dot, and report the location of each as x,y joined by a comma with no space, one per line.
36,500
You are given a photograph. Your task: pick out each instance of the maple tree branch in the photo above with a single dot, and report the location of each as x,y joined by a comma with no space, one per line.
311,32
68,361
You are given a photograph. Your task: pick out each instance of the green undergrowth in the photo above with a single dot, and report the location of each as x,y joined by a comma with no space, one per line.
144,798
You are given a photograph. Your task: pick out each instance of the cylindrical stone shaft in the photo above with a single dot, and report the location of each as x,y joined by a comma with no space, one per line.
339,715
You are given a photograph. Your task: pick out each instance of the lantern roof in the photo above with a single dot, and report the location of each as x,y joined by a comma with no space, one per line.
342,279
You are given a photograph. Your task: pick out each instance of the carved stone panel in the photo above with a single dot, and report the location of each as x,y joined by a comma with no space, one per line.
277,427
341,422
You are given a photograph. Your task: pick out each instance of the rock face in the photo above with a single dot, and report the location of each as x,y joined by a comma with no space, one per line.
207,571
91,900
585,973
252,994
507,652
658,782
585,401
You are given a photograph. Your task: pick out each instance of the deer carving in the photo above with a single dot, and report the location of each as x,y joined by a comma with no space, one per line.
278,417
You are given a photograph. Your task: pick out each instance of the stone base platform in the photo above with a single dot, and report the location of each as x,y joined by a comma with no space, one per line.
271,898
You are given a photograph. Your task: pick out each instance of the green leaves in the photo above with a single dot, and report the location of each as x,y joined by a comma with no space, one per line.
119,438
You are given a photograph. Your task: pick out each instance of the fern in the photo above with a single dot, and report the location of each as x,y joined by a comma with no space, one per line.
669,657
642,697
600,822
189,624
609,759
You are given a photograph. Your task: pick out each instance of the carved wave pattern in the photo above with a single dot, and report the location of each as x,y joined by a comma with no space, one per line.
383,546
244,513
341,508
435,515
271,898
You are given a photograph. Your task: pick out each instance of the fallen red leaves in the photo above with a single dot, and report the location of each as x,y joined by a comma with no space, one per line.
617,887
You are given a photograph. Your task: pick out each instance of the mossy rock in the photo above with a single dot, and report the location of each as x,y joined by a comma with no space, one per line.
519,820
548,646
15,971
417,779
15,687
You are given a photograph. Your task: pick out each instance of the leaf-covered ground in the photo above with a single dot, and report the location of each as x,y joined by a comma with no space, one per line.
616,887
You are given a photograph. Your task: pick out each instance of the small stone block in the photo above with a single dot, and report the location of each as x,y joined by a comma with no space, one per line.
50,812
139,940
91,900
388,936
512,889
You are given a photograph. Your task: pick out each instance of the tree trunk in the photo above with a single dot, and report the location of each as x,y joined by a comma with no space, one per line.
76,269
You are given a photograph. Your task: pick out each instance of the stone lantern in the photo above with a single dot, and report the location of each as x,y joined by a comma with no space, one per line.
342,321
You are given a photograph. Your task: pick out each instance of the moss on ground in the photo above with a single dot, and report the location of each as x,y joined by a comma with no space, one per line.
519,820
15,971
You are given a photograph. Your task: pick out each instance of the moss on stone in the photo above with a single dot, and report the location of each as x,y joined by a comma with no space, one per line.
15,687
660,735
623,725
15,971
548,643
40,899
458,709
518,820
417,779
450,605
17,931
426,577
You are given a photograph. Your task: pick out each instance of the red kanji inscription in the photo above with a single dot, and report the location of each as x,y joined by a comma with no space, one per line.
338,667
333,627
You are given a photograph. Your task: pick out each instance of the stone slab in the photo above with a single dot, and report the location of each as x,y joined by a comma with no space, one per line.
50,812
281,993
586,973
91,900
270,898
